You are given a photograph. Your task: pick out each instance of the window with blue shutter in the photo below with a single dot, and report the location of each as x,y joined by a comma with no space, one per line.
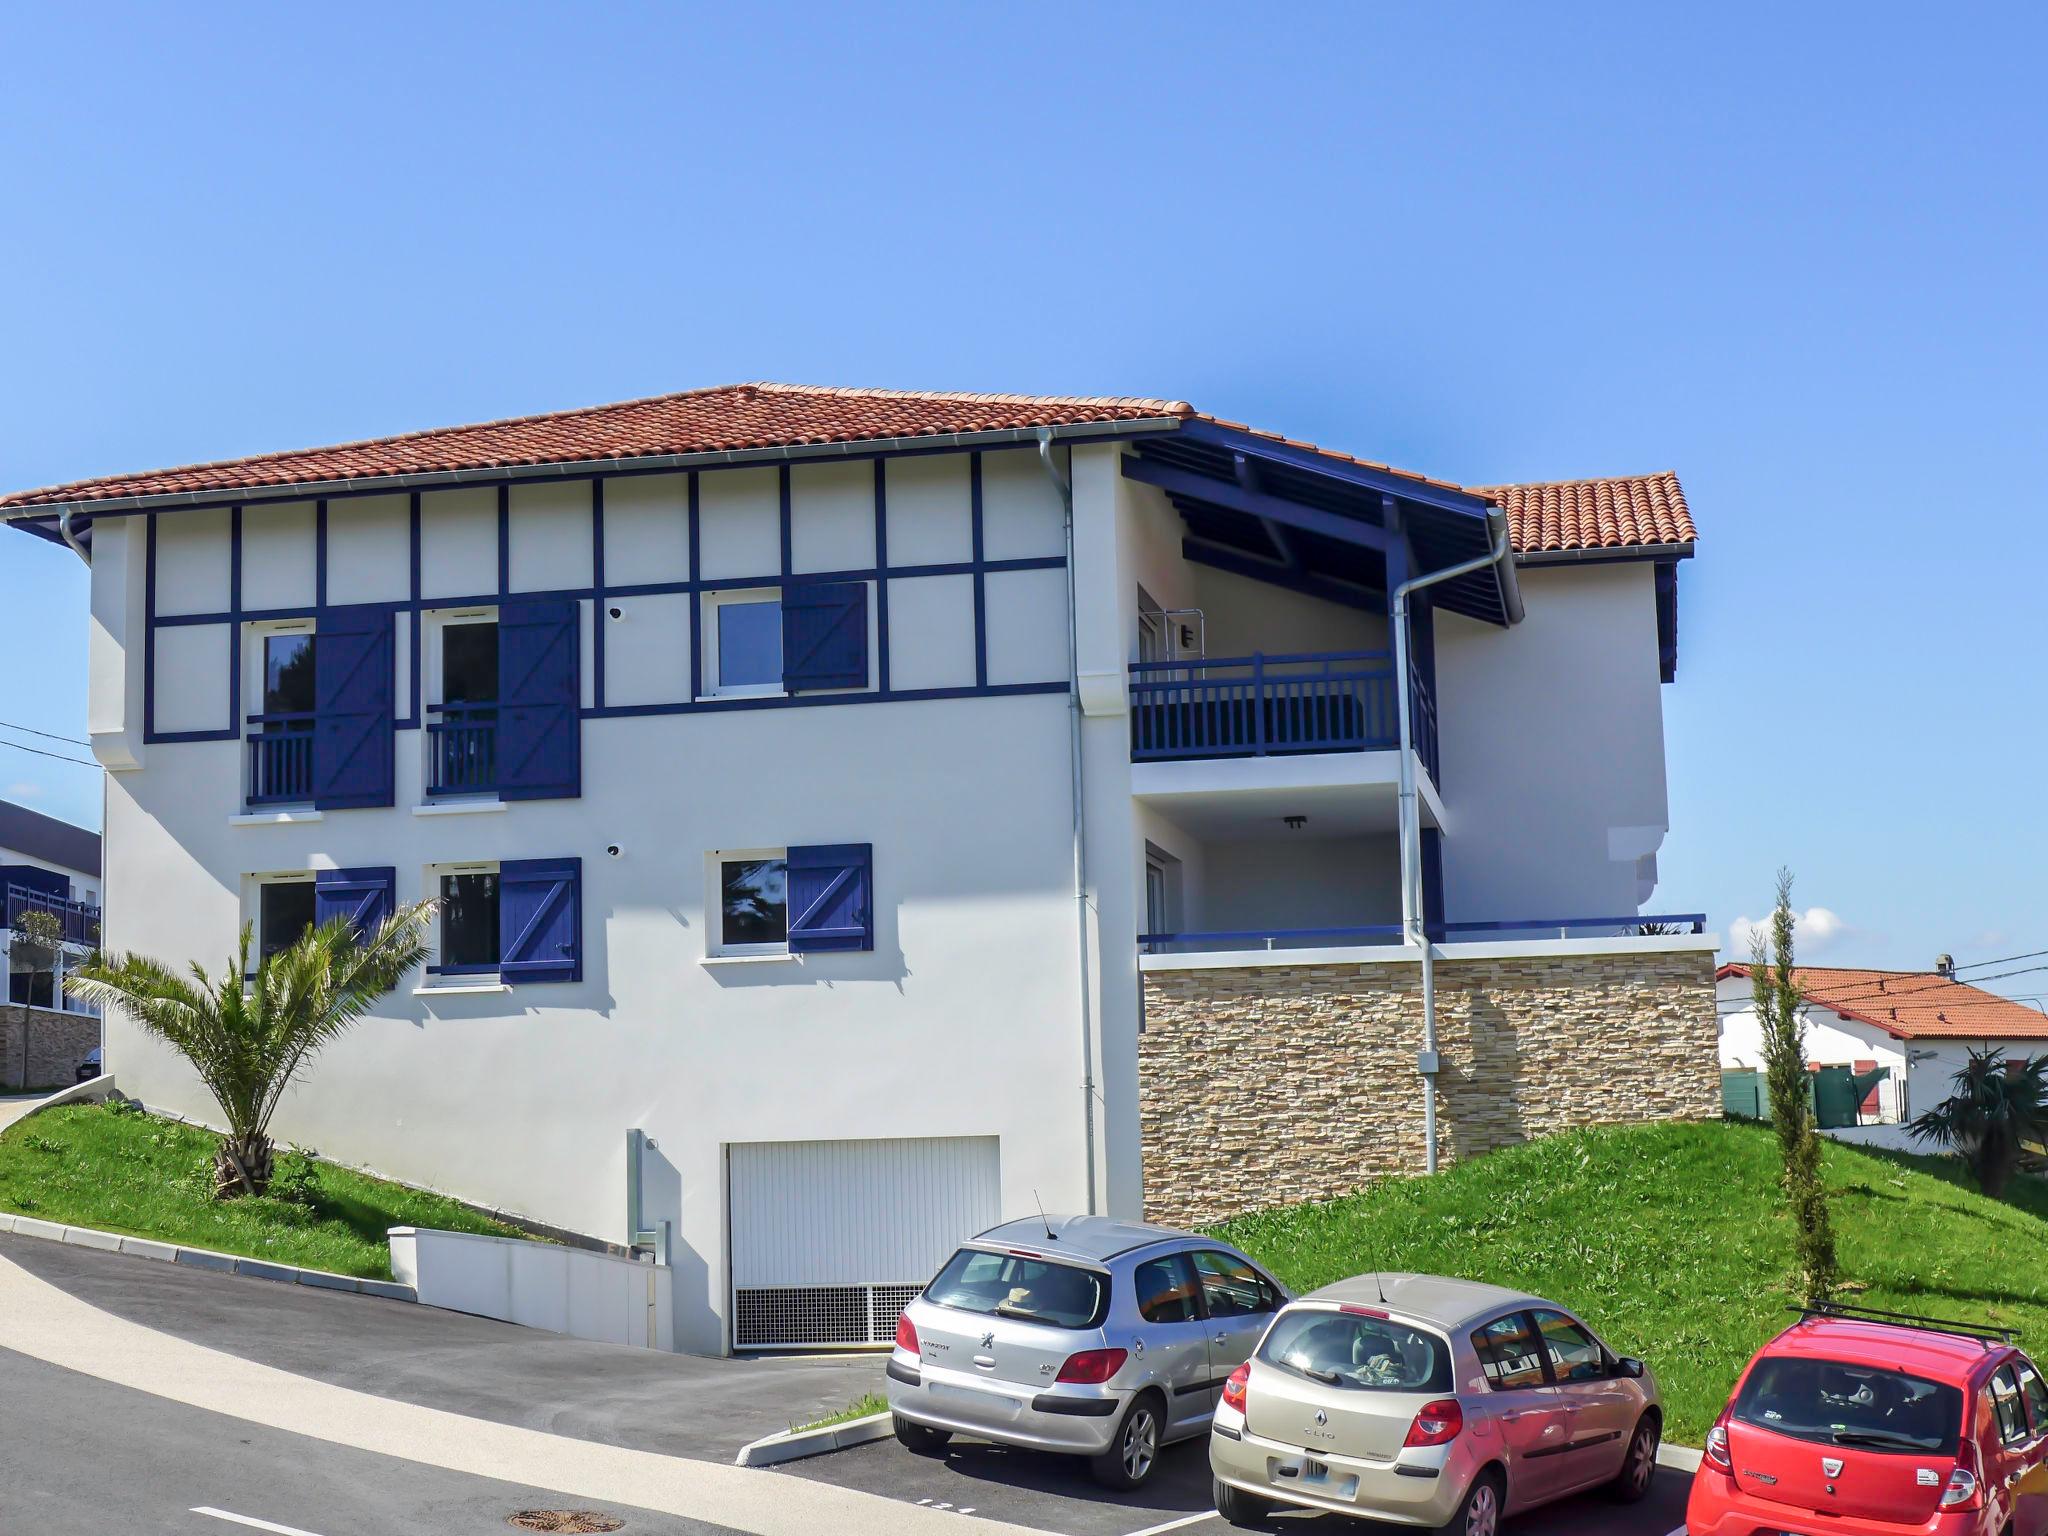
363,896
354,673
540,920
540,681
831,897
825,636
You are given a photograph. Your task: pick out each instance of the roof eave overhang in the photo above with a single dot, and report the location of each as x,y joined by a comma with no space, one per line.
1606,554
40,518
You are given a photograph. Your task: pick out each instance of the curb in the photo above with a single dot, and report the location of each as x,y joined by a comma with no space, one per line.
201,1258
1679,1458
794,1445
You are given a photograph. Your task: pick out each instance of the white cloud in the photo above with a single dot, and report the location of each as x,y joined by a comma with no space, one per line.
24,790
1815,929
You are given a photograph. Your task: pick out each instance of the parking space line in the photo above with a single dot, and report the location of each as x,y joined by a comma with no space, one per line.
1207,1514
251,1521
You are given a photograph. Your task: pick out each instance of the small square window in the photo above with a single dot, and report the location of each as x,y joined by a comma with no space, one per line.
744,642
283,914
469,923
753,904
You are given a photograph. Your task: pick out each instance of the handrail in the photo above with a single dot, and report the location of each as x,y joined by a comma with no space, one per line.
463,748
73,915
1695,921
1290,659
284,717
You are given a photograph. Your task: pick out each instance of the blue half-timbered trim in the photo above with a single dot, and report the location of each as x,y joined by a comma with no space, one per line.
881,586
976,554
410,608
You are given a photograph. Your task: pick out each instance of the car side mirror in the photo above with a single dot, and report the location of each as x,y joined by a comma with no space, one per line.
1629,1366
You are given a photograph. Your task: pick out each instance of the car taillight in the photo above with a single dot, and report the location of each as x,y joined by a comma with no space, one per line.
906,1335
1233,1389
1963,1490
1439,1423
1717,1453
1092,1367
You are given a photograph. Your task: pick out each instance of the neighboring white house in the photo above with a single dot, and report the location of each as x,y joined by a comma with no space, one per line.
1921,1025
53,866
847,810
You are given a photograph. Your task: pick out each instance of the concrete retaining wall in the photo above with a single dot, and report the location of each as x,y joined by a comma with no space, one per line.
538,1285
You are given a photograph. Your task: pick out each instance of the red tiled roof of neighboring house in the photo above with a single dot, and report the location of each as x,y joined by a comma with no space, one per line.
1584,514
1914,1005
1613,513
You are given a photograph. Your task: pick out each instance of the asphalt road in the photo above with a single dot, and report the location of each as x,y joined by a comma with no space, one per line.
81,1457
677,1405
1056,1495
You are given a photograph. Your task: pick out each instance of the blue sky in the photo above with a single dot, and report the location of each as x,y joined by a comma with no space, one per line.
1795,253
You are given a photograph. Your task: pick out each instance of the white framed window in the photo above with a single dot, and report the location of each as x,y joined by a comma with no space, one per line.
279,904
459,678
277,682
466,929
742,643
747,897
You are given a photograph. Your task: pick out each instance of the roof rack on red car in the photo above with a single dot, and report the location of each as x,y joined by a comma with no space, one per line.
1848,1313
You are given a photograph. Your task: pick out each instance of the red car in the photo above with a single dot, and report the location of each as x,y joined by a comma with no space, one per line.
1862,1423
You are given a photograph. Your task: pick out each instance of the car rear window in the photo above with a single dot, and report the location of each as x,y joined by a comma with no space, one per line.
1357,1351
1031,1290
1835,1402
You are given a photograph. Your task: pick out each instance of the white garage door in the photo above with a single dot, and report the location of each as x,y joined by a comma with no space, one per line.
831,1239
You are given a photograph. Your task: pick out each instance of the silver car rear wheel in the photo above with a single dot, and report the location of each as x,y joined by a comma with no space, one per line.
1131,1456
1639,1467
1479,1515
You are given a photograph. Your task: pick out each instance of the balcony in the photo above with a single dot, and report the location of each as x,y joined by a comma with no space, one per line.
1269,706
80,920
1261,940
281,758
462,749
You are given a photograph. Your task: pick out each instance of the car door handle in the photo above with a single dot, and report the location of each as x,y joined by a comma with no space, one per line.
1222,1338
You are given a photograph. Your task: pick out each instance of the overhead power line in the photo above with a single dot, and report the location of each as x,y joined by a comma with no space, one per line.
46,735
58,757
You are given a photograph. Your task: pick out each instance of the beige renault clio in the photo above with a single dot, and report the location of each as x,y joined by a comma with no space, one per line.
1443,1404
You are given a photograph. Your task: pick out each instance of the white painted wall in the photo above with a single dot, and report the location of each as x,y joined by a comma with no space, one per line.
572,1291
1832,1040
1552,741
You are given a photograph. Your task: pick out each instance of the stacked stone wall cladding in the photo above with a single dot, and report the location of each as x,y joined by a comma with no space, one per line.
43,1048
1267,1085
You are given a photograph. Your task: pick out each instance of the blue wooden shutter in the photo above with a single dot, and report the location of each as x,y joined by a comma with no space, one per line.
354,672
831,897
825,635
1432,881
540,920
363,896
540,683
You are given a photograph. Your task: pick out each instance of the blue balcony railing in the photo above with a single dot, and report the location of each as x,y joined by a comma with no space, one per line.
1260,706
281,758
80,920
462,749
1391,933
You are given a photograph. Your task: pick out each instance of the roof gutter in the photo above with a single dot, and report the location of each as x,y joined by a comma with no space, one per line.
563,469
64,528
1610,553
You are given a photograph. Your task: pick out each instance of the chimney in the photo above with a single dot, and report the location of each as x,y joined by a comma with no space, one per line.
1945,966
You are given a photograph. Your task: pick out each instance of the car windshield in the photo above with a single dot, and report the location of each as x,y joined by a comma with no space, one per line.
1834,1402
1015,1285
1356,1350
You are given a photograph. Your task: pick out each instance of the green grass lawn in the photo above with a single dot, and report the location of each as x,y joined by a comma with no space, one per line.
865,1406
1669,1240
92,1165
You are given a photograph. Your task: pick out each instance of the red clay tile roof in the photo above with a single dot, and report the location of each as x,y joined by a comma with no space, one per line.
1595,514
1584,514
1914,1005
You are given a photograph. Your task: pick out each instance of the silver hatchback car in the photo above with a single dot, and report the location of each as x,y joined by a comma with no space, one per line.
1430,1402
1077,1334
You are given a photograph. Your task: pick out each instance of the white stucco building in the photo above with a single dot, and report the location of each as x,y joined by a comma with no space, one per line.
804,777
52,866
1920,1025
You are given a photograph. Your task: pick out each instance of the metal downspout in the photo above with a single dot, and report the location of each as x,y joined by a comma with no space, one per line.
64,528
1412,917
1065,486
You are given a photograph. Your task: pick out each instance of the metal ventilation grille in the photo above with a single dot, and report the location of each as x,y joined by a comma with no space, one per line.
788,1317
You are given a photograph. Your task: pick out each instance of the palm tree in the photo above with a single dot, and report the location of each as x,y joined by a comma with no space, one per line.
1992,1111
249,1040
